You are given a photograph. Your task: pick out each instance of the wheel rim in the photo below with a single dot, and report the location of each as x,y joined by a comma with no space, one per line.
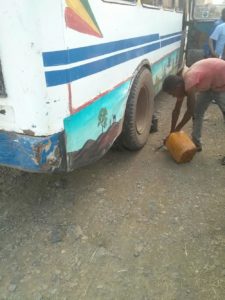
142,110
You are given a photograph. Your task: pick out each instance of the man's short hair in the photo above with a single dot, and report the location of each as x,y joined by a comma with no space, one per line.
171,82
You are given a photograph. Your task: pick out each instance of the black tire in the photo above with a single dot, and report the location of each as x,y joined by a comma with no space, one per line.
139,111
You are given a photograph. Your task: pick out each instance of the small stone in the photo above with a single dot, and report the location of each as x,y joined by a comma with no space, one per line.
12,287
100,190
217,263
54,291
39,297
78,232
102,251
218,229
57,184
57,235
75,231
100,286
138,250
60,184
84,238
175,275
73,284
5,214
44,287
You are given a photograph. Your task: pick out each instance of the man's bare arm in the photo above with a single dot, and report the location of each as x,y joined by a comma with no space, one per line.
189,112
211,47
175,114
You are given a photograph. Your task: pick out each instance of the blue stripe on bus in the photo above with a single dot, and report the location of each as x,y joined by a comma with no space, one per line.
65,76
169,35
59,77
65,57
170,41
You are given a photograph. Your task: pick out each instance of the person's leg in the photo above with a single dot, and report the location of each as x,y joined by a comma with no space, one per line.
203,100
223,161
220,100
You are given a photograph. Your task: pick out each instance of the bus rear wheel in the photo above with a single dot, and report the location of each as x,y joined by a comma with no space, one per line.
139,111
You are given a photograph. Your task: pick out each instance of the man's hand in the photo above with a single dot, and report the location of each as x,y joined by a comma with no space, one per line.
211,47
165,139
189,112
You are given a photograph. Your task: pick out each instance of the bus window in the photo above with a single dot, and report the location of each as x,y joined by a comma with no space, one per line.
152,3
207,11
168,4
179,5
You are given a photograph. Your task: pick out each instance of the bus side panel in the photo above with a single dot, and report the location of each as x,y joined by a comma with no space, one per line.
28,104
167,65
91,131
98,65
114,34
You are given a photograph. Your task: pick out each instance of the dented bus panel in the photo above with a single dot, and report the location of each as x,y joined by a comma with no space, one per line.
36,154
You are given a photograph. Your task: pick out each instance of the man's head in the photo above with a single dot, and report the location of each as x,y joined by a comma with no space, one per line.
174,85
223,15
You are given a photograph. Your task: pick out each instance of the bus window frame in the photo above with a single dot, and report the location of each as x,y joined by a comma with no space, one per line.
177,8
149,6
121,2
200,19
169,9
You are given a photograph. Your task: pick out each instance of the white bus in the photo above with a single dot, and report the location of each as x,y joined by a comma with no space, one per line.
78,74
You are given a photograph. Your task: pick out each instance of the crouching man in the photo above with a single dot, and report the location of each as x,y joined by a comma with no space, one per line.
203,82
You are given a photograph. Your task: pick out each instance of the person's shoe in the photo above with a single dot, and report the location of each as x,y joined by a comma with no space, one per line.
154,126
198,145
223,161
224,117
199,148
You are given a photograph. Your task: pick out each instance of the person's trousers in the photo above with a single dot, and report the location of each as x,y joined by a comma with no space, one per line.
203,100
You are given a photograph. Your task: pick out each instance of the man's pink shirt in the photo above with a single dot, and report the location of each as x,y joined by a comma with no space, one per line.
206,74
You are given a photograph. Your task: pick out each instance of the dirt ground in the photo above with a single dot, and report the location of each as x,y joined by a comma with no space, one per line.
131,226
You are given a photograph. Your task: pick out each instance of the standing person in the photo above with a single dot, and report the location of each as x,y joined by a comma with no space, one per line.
202,82
217,38
220,21
207,48
217,41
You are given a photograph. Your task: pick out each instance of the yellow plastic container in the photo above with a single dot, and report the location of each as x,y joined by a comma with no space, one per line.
181,147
